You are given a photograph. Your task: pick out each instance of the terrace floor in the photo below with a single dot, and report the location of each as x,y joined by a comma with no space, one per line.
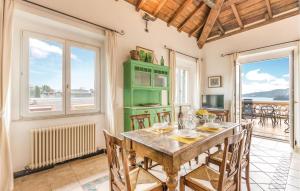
274,166
267,130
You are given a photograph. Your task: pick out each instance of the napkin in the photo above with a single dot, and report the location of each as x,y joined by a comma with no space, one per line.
186,140
209,129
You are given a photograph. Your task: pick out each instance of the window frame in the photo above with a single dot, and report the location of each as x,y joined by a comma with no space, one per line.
66,80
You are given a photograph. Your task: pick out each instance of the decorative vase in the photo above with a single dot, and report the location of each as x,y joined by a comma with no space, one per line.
134,54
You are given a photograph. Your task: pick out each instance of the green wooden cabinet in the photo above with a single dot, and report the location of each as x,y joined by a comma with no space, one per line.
145,83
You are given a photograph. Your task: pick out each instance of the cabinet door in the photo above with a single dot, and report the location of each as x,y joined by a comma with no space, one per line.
160,78
142,76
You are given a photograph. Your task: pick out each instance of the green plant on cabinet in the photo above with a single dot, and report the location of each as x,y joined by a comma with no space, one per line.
146,90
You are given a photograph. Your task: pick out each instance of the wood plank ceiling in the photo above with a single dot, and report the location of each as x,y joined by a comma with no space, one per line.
209,20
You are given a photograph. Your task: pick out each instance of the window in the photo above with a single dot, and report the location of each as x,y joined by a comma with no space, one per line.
60,77
181,95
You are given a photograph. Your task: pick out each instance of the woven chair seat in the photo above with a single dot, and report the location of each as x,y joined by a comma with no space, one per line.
206,178
217,157
142,180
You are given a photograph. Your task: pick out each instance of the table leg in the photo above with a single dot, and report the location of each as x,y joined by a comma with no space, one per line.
132,159
172,179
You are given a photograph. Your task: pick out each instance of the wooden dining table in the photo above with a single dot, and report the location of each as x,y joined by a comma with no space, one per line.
171,153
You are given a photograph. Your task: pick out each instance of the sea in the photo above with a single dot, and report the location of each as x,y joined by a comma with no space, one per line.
262,99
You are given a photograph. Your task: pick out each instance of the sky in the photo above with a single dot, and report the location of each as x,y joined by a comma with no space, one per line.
46,63
265,75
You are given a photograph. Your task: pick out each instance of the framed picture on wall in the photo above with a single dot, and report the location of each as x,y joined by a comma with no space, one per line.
215,81
146,55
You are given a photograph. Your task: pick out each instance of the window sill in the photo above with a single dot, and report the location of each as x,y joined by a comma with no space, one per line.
57,116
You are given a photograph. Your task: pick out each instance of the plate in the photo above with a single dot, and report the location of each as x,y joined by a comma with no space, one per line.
161,126
213,125
188,134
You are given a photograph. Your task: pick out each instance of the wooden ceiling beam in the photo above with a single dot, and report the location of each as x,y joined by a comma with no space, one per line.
209,3
237,16
178,11
260,24
180,27
197,28
220,27
269,8
140,4
159,7
211,20
228,3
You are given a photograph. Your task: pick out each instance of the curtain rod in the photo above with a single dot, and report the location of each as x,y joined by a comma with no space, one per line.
181,53
228,54
71,16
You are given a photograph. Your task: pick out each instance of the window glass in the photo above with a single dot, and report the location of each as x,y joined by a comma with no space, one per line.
83,65
181,94
45,75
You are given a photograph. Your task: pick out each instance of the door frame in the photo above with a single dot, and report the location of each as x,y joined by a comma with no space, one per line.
289,50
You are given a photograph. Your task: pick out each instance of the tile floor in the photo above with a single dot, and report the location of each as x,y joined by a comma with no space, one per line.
273,167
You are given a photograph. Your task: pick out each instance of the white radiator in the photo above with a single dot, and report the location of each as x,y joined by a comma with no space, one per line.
57,144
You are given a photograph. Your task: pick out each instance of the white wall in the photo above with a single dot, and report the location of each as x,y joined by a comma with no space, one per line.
115,14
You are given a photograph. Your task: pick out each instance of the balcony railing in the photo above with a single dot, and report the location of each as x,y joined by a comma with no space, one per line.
276,111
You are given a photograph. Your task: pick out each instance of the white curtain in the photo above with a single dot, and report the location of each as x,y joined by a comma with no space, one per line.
111,75
235,94
172,65
6,171
198,89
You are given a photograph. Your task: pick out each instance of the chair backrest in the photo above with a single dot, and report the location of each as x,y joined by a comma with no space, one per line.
247,107
140,119
249,129
119,179
231,169
164,116
268,110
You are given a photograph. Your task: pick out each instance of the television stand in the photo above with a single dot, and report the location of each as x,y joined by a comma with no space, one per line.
222,114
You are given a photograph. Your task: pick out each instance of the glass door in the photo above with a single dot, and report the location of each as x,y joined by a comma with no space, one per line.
160,79
142,76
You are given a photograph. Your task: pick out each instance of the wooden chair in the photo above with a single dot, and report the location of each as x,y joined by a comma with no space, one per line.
216,158
206,178
123,179
141,121
164,116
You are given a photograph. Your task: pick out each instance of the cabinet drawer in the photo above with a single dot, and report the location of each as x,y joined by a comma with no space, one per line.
141,111
163,109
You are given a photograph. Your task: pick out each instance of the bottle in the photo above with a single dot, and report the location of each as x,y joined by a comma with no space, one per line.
180,118
162,61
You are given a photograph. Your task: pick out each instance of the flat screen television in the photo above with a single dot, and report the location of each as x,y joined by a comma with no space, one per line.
213,101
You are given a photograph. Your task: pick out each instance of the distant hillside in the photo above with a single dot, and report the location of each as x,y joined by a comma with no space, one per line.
279,94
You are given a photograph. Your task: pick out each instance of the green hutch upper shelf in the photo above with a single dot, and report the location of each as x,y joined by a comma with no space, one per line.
145,84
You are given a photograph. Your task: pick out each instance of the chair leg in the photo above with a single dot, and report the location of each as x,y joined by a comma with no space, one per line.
248,177
150,163
146,162
181,186
197,159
